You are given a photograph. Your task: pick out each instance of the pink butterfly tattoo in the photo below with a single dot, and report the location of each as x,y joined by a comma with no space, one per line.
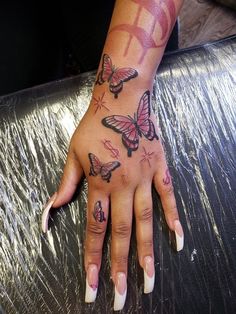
114,76
98,213
133,128
105,170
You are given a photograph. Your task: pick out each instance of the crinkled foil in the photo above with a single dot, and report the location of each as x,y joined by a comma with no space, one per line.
194,99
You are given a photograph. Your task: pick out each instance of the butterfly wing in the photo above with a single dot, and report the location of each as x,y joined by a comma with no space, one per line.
108,168
98,214
118,77
144,124
107,70
127,127
96,165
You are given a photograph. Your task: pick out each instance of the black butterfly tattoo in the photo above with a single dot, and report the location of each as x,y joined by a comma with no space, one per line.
105,170
114,76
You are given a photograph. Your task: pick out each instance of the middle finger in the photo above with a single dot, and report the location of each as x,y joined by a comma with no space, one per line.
121,216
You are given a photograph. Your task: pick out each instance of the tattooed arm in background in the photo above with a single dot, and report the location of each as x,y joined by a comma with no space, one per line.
117,146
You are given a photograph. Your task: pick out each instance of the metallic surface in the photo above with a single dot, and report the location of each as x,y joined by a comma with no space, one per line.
195,101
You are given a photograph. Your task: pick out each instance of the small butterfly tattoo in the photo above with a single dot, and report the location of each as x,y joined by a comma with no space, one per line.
133,128
104,169
114,76
98,213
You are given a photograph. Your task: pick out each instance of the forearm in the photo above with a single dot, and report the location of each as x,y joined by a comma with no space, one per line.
138,34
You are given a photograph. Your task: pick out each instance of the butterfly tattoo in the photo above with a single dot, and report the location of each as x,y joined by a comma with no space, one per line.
105,170
133,128
98,213
114,76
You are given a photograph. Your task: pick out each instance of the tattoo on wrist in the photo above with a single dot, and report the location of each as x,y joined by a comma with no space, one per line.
162,13
114,151
133,128
99,103
115,77
98,213
167,179
146,156
104,169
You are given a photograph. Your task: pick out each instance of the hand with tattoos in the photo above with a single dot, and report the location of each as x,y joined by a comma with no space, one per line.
118,148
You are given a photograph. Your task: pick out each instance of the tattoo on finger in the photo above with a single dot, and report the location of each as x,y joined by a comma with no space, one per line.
167,179
98,213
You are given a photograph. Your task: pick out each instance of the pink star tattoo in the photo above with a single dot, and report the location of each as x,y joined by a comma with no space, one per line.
146,156
99,103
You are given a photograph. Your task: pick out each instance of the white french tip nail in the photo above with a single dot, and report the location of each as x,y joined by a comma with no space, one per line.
90,293
120,291
119,301
179,235
46,211
149,274
148,283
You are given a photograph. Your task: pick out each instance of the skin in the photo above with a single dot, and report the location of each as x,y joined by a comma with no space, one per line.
129,189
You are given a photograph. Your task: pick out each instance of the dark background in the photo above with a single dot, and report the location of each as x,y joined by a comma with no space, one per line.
41,42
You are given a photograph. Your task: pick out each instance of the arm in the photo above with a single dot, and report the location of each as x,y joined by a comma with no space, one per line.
118,148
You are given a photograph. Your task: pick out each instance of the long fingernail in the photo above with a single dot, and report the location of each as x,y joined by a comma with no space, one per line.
120,291
179,234
46,211
91,283
149,274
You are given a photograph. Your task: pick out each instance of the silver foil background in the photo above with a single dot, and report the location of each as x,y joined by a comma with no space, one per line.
194,99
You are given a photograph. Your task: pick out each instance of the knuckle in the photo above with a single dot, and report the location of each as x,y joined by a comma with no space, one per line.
169,190
173,211
95,229
120,260
148,244
92,251
145,215
166,190
122,230
125,180
159,155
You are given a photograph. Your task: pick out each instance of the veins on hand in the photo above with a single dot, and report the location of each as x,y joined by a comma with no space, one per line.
146,156
99,103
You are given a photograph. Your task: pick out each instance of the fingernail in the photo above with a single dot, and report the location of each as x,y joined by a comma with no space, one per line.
120,291
91,283
46,211
179,234
149,274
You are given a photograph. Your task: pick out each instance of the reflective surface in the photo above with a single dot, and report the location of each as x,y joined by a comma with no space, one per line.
195,101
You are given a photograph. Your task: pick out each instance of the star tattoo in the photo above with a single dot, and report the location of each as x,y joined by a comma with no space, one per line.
146,156
99,103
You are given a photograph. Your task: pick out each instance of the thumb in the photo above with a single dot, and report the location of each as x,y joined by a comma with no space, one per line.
70,179
71,176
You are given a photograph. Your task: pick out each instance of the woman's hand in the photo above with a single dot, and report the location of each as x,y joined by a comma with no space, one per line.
118,148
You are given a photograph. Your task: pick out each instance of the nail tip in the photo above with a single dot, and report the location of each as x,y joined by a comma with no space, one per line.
179,236
46,211
148,283
119,301
90,294
179,243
